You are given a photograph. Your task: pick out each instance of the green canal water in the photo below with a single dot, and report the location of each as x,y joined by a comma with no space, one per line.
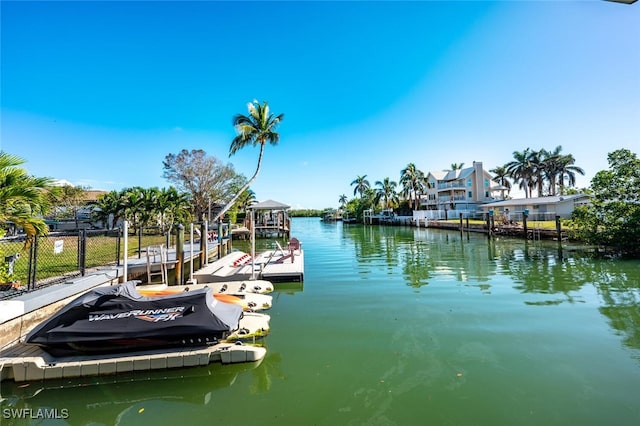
404,326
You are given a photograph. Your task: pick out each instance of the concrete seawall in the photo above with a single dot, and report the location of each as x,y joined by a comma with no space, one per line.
19,315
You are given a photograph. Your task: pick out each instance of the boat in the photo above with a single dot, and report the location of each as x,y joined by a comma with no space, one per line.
119,319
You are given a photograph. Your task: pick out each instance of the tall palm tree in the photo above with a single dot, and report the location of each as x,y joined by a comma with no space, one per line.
568,170
343,200
361,185
501,176
457,166
386,191
521,170
539,163
413,184
551,166
22,197
257,128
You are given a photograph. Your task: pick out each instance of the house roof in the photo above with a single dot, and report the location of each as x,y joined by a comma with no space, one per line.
269,205
536,200
465,172
439,175
453,174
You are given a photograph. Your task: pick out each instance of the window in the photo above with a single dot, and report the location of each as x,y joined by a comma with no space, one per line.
469,183
486,182
469,194
486,194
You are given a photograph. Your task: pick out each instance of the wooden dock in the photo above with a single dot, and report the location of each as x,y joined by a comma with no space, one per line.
28,362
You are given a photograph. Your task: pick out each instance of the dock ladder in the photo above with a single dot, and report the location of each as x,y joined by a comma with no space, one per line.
157,263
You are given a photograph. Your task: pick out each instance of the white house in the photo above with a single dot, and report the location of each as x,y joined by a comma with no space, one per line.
539,208
462,190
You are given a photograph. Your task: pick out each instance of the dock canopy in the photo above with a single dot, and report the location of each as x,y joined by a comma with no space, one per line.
269,205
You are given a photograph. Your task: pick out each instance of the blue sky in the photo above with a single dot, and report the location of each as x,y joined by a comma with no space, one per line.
98,93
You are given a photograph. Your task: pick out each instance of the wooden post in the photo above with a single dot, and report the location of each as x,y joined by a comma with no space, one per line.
230,240
559,230
180,255
524,224
488,225
559,233
461,227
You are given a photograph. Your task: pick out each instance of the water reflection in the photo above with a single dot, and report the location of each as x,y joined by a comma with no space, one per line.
108,400
269,370
538,269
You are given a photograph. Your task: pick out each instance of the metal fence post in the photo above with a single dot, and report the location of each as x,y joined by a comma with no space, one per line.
180,255
33,260
118,236
82,251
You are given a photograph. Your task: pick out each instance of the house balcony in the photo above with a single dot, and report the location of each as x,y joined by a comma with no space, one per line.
451,185
447,198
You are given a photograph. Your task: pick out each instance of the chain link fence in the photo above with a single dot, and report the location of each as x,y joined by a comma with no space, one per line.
60,256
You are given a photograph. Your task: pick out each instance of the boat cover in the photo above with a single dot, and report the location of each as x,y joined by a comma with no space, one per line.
114,318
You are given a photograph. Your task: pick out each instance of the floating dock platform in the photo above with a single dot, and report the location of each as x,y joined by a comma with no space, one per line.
272,265
29,363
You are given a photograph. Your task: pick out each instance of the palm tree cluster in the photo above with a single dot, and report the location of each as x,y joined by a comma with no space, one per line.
548,172
542,170
413,184
385,191
144,207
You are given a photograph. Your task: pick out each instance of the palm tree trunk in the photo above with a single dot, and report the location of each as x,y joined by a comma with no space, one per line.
245,187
